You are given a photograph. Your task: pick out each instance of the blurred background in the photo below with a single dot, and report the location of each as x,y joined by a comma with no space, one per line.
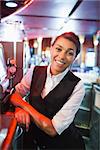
27,28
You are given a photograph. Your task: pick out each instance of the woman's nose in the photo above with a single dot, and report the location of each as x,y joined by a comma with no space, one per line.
62,55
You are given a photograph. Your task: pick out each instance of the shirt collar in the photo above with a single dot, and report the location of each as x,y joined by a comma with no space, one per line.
62,74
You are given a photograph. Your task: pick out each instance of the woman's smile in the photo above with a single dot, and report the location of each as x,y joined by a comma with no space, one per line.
60,62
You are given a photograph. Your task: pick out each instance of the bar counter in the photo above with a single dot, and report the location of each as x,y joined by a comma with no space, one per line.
8,126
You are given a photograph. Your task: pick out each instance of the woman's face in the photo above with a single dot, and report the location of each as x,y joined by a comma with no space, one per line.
62,55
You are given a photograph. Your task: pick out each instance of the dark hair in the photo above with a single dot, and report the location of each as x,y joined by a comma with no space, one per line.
72,37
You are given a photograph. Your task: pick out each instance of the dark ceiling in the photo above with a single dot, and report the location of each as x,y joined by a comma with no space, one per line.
6,11
48,18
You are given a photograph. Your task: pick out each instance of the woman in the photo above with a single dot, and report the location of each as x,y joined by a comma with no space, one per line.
55,96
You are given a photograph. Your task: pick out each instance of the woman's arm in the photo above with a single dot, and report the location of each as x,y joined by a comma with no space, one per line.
39,119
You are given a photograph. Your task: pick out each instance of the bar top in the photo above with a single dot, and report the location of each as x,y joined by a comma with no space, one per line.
8,126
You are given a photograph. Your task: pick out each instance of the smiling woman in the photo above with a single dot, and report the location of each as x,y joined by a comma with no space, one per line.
55,95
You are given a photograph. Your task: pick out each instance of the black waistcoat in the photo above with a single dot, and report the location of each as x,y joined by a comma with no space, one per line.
50,105
53,102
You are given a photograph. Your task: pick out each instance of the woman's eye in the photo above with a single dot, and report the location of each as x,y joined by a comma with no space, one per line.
58,49
71,53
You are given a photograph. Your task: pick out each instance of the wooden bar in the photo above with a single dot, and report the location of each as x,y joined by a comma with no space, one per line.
7,143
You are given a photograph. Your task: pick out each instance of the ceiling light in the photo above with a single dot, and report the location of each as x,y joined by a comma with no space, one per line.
44,28
11,4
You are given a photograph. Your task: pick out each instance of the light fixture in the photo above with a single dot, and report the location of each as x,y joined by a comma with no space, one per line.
11,4
95,40
44,28
81,38
35,44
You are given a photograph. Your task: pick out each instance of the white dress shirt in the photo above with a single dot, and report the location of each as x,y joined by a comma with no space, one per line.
66,114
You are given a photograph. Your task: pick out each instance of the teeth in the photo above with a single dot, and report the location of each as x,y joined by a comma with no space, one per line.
59,62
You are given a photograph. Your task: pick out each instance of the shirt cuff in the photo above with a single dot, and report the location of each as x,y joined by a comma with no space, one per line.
58,130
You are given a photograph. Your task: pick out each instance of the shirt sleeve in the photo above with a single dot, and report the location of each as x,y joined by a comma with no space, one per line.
24,86
66,115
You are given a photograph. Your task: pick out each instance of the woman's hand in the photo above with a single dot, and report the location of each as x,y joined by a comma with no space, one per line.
22,117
